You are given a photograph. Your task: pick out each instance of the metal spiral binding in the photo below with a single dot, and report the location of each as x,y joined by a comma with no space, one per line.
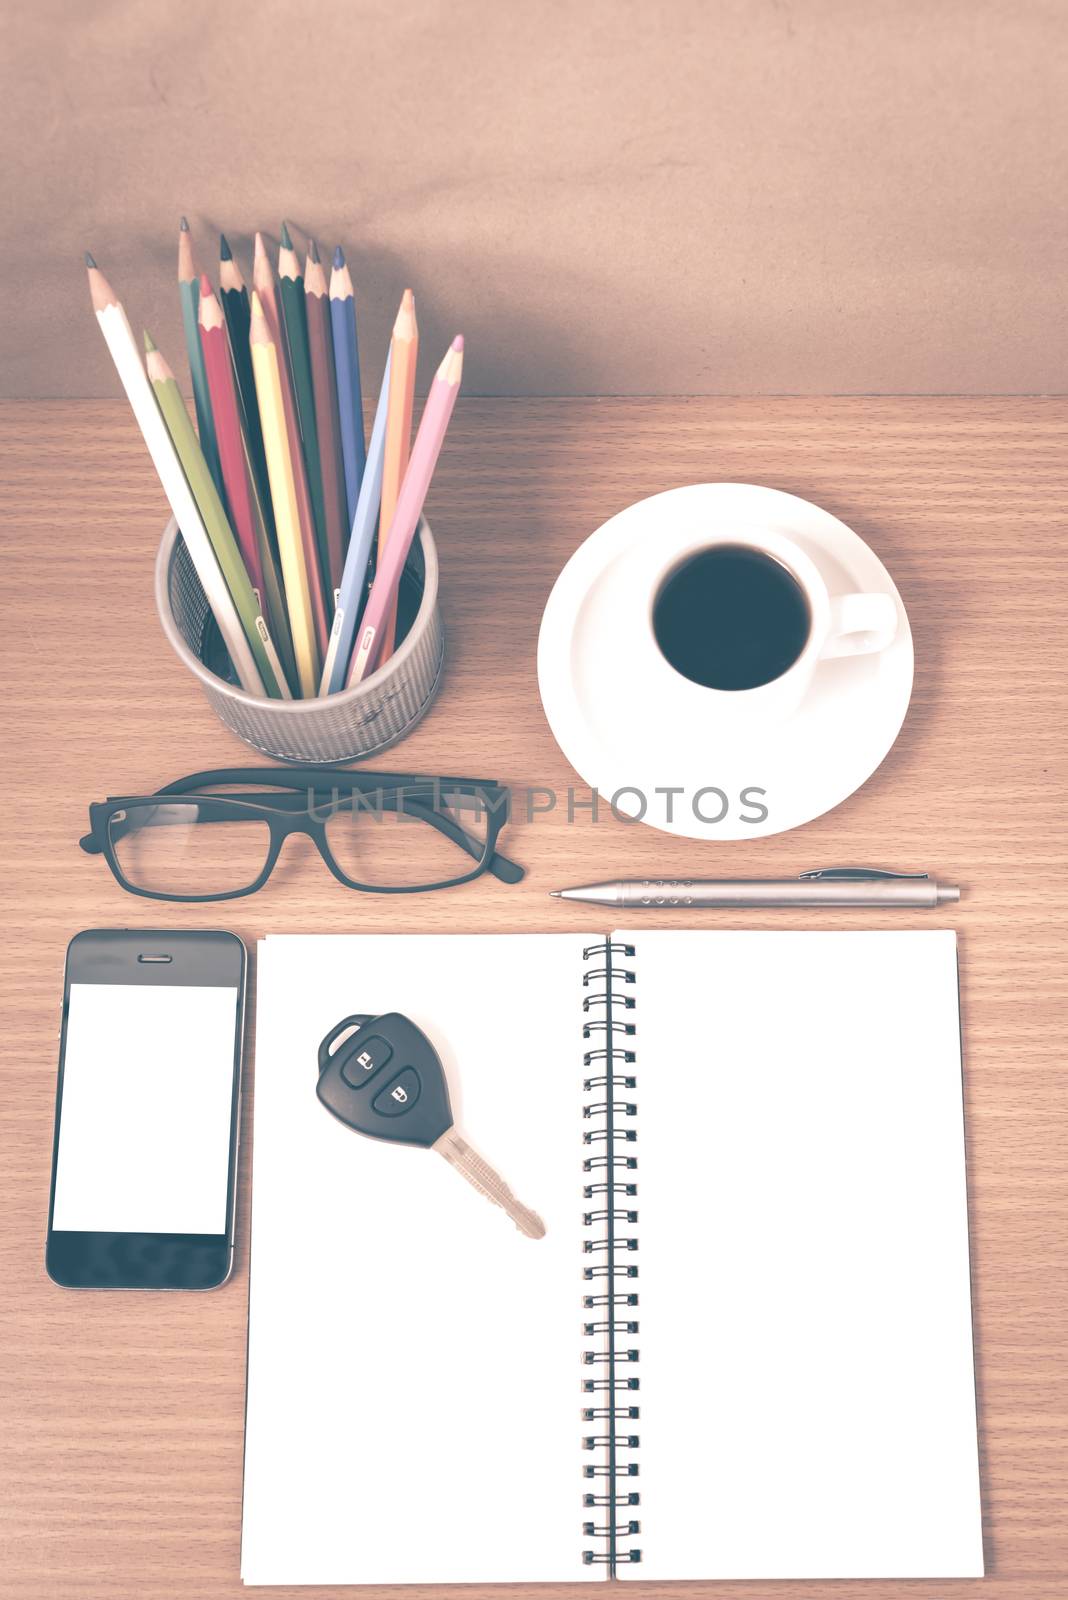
610,1384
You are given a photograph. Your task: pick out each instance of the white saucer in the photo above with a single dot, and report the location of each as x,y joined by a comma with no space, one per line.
594,683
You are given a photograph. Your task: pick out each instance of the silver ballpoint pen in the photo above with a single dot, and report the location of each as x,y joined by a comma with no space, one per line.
826,886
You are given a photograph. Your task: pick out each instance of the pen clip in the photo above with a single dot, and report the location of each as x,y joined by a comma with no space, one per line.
854,874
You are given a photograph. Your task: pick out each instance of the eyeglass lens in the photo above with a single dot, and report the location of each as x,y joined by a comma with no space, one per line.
166,849
190,847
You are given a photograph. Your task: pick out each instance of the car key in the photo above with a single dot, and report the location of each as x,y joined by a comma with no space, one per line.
385,1079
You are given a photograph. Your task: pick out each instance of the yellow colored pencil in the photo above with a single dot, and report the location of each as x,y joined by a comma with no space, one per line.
265,358
265,285
405,353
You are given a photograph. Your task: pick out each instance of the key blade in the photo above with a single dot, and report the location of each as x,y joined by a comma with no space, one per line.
459,1154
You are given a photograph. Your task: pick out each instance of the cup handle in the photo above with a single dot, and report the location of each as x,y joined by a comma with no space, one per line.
860,625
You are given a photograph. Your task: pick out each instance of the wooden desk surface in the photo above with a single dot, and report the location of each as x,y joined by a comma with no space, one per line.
121,1415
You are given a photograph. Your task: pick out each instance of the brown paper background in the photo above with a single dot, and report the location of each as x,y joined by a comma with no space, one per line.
632,197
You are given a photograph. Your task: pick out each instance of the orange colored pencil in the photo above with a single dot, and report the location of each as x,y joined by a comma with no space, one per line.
328,426
404,346
263,281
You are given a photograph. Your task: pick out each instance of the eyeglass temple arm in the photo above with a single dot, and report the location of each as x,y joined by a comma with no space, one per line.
319,778
118,827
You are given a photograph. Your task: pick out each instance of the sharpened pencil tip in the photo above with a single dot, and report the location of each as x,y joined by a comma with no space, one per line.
287,243
339,257
183,226
205,286
313,251
225,253
407,301
458,342
149,342
256,305
90,262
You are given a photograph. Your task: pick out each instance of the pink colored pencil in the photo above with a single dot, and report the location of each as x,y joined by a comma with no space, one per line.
221,388
423,460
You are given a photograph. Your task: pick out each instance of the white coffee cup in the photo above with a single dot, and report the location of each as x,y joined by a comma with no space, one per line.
840,625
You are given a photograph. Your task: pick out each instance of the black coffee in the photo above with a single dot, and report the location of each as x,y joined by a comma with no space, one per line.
731,618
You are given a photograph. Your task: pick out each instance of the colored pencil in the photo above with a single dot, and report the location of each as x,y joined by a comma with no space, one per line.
242,491
233,296
404,349
213,514
295,323
189,292
266,366
223,396
358,556
424,457
347,365
127,358
324,383
274,595
263,282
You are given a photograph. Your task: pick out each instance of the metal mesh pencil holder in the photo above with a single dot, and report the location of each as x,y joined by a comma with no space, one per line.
348,726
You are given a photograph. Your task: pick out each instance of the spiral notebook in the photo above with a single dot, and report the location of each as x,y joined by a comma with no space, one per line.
742,1350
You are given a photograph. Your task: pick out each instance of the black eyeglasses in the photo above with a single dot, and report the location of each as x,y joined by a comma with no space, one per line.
383,832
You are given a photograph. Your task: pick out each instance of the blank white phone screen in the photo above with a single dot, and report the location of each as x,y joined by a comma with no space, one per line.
144,1129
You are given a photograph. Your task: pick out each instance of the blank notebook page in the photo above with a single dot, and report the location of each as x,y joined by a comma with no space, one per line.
413,1363
807,1392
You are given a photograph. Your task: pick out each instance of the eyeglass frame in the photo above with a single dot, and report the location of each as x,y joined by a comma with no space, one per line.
285,816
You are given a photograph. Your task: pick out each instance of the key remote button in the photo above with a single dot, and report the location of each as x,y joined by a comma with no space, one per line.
399,1096
362,1065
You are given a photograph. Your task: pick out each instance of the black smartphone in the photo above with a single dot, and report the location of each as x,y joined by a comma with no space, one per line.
144,1155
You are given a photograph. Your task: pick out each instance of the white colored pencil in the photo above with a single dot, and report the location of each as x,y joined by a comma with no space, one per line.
126,355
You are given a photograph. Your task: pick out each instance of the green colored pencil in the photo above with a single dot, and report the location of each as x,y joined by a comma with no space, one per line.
295,318
189,290
233,296
210,506
272,581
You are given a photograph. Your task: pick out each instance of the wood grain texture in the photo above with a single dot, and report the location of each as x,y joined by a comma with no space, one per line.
121,1415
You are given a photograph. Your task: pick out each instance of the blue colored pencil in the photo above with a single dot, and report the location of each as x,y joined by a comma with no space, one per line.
347,367
357,559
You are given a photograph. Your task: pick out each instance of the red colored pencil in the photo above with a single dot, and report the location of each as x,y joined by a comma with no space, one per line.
216,348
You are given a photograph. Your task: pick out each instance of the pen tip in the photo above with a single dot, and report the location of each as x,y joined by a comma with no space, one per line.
225,253
339,257
287,243
90,262
555,893
183,226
